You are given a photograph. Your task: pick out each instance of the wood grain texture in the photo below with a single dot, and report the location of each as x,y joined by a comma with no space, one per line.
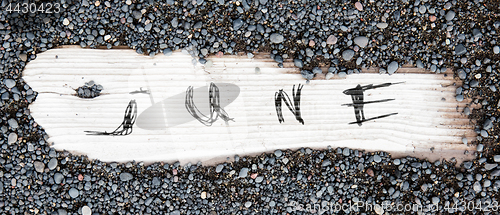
428,114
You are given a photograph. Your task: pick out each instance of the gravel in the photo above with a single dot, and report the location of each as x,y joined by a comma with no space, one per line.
461,36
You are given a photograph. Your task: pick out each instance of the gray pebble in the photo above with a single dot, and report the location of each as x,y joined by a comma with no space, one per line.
12,138
392,68
477,187
219,168
461,74
276,38
490,166
9,83
496,50
73,192
52,164
377,158
58,178
484,133
125,176
342,74
496,158
298,63
382,25
259,179
347,54
39,166
488,124
248,204
278,153
450,15
459,98
243,172
361,41
460,49
237,24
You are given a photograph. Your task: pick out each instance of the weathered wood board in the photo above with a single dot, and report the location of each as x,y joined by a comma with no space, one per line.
429,122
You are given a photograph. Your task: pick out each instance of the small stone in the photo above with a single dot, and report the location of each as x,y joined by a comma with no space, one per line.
377,158
126,176
52,164
243,173
461,74
203,195
219,168
477,187
460,49
257,70
432,18
317,70
12,138
86,210
73,192
490,166
382,25
379,210
361,41
23,57
311,43
237,24
484,133
358,6
329,76
393,67
496,158
259,179
248,204
58,177
459,98
342,74
496,50
347,54
9,83
450,15
464,140
276,38
278,153
488,124
39,166
107,37
66,21
307,74
331,40
298,63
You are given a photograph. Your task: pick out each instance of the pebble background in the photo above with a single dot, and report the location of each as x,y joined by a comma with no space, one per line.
342,35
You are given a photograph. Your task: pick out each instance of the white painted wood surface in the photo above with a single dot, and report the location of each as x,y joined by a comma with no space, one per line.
428,114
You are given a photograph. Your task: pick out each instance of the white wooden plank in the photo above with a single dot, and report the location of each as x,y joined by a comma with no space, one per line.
428,114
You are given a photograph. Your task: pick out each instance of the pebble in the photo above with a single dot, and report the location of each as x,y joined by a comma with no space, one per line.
450,15
377,158
12,138
203,195
219,168
237,24
126,176
39,166
347,54
52,164
331,40
496,158
460,50
66,21
382,25
243,172
9,83
276,38
86,210
358,6
461,74
298,63
361,41
477,187
73,192
248,204
342,74
496,49
490,166
278,153
392,68
329,75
